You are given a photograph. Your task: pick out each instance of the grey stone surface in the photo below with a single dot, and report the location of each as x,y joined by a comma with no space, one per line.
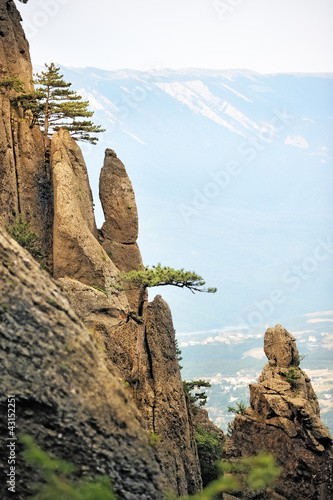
65,396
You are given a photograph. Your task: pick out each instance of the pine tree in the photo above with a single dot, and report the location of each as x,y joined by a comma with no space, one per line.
162,276
198,397
62,107
54,106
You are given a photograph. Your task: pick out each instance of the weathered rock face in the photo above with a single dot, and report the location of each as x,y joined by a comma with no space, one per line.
141,353
162,401
120,230
284,419
65,397
144,356
77,252
25,180
118,201
280,347
14,48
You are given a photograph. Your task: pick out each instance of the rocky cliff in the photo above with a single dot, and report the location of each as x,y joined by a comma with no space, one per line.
141,350
66,398
25,180
284,419
69,397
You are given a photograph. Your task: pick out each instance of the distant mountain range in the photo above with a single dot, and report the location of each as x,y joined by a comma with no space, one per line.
232,172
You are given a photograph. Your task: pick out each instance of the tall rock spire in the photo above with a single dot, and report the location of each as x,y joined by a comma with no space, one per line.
118,201
120,229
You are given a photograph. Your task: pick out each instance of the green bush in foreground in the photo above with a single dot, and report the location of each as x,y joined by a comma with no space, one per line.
57,482
254,473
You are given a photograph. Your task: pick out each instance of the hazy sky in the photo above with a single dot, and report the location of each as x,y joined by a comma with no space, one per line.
262,35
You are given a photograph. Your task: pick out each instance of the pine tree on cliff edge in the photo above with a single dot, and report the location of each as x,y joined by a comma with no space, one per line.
53,106
59,107
163,276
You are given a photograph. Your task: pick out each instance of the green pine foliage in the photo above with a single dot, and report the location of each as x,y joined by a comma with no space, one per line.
12,83
53,106
162,276
239,409
21,232
198,398
178,354
292,376
56,474
210,453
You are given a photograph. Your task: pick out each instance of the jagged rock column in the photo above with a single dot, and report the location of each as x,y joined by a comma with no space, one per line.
120,229
86,271
284,419
25,180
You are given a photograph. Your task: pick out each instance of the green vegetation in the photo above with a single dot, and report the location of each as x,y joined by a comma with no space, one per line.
239,409
210,452
153,438
12,83
54,106
21,232
100,290
198,397
254,473
162,276
178,353
56,481
292,376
